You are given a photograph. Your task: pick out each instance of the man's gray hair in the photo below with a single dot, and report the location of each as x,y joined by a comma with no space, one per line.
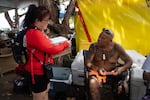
108,32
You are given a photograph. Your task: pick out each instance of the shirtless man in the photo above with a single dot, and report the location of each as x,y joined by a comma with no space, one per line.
102,58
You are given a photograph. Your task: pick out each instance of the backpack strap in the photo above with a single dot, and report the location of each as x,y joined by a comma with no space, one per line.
32,55
32,52
41,62
44,57
32,72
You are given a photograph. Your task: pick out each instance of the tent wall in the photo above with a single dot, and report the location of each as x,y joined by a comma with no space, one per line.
128,19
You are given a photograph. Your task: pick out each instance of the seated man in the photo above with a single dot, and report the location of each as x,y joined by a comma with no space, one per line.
102,59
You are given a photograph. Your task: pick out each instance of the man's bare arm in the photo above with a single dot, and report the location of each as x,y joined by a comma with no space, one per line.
126,58
90,57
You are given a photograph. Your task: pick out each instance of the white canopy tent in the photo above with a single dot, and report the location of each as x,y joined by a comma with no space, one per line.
6,5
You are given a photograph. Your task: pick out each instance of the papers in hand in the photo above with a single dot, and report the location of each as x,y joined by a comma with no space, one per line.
58,39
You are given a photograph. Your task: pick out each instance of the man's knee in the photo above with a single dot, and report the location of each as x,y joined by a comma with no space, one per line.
93,83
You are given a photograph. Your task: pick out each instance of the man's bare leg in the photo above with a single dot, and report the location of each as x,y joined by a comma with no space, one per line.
94,89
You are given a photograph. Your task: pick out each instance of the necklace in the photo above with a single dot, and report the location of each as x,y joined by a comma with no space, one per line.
108,54
104,56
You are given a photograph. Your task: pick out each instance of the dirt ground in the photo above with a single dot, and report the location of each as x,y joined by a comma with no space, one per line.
6,88
7,93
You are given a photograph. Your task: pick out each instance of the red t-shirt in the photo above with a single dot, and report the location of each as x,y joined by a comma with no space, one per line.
37,40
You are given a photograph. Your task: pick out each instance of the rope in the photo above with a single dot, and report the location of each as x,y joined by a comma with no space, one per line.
83,23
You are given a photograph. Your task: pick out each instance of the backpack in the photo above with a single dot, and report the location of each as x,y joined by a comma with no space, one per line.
18,48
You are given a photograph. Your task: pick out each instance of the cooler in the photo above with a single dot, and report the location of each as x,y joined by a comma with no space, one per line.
60,84
61,74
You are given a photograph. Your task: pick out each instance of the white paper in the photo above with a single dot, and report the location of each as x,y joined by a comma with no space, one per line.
58,39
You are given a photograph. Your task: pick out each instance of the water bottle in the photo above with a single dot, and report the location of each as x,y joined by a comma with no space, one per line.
23,57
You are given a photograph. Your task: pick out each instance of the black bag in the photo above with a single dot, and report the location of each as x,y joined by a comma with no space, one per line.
21,86
18,48
48,70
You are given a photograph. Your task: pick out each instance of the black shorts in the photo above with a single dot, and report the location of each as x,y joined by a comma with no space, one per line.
113,80
40,85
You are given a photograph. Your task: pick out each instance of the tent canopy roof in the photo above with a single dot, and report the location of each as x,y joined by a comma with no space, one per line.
6,5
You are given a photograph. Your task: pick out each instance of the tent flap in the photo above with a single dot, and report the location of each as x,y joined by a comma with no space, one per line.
128,19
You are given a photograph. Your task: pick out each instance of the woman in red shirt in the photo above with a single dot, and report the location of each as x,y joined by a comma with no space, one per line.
37,43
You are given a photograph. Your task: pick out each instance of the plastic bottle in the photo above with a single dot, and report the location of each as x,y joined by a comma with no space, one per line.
23,57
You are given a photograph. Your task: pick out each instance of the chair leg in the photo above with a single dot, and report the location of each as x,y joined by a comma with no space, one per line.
86,76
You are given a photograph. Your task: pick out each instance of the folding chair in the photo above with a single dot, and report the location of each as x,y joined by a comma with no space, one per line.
86,73
113,88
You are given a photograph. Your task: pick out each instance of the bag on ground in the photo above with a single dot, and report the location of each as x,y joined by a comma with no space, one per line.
21,86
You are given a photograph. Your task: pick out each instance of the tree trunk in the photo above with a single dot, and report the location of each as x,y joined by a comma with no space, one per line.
69,12
55,26
16,19
11,23
54,16
61,28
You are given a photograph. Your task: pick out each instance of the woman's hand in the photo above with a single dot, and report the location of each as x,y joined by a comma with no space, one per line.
69,42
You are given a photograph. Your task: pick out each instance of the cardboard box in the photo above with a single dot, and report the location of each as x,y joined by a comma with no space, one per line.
7,62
